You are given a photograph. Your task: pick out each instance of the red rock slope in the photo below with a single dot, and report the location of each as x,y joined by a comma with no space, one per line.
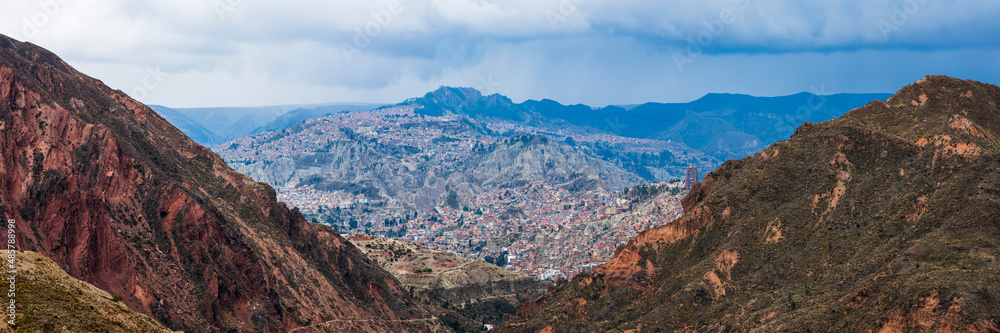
123,200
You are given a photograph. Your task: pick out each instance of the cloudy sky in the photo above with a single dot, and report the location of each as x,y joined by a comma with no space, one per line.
190,53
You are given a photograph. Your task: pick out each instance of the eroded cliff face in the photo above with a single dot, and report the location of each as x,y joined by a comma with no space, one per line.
121,199
885,219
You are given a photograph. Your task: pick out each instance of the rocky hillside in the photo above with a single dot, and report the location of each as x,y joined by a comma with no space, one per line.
410,163
422,183
884,219
475,288
119,198
44,292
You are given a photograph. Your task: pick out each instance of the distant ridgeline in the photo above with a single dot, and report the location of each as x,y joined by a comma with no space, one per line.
724,126
213,126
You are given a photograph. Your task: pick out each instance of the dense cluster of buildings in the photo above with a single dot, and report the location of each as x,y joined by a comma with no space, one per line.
538,229
311,201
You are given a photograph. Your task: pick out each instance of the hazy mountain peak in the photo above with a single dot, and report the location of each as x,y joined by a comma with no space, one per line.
454,95
721,96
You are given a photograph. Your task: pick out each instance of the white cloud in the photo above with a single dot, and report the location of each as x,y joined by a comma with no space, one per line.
247,52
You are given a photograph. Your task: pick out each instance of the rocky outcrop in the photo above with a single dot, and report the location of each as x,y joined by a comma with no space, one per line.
121,199
881,220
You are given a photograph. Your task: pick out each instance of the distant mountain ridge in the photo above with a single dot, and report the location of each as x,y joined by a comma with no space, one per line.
192,129
213,126
722,125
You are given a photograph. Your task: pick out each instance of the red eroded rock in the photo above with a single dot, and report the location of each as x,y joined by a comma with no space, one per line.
123,200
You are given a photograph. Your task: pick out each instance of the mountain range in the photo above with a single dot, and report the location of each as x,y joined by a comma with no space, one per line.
724,126
646,143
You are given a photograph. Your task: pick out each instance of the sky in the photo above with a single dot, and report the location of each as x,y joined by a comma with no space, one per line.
203,53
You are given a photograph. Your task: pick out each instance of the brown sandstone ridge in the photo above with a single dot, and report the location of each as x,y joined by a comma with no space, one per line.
43,291
121,199
886,219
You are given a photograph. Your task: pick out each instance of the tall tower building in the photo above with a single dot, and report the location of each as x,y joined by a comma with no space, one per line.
692,177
